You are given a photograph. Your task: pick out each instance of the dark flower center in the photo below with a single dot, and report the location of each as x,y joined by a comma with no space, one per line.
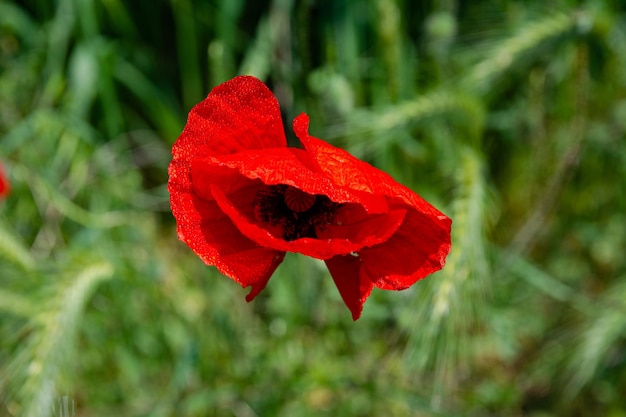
297,214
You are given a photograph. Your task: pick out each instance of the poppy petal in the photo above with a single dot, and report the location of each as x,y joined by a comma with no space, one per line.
420,245
215,239
394,265
292,166
417,249
342,168
352,222
351,173
239,114
379,231
353,286
204,174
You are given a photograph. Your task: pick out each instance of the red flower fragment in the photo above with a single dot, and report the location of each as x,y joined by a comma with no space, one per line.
5,186
242,198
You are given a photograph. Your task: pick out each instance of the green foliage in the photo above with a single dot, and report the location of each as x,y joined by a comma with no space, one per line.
509,116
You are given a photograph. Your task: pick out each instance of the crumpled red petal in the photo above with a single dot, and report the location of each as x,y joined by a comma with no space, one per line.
352,222
375,230
292,166
216,240
351,173
352,285
239,114
417,249
352,230
204,174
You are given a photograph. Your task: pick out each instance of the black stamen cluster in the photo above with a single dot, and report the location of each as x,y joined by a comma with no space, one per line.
271,207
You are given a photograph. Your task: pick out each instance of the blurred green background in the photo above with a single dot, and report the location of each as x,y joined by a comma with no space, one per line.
508,116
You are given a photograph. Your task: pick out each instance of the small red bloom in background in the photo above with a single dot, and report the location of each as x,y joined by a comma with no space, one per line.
242,198
5,186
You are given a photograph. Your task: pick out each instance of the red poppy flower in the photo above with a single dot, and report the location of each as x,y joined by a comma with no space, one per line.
242,198
5,186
